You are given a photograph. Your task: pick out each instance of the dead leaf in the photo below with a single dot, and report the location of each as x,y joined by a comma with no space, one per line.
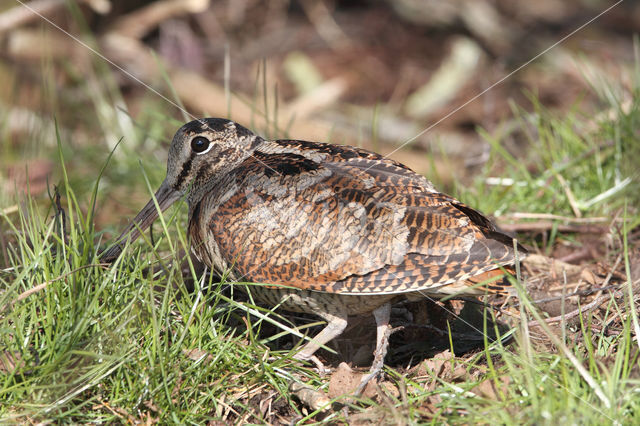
488,388
10,361
344,381
371,416
197,354
439,365
589,277
390,389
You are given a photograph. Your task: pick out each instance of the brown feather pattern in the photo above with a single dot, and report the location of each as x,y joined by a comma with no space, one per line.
341,220
345,230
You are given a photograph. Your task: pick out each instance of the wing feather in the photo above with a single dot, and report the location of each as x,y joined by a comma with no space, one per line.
346,222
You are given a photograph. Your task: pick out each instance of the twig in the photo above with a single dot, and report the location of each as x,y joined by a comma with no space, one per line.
546,225
9,210
585,253
587,292
548,216
322,20
577,293
61,215
3,248
570,197
42,286
20,15
588,306
583,309
314,399
138,23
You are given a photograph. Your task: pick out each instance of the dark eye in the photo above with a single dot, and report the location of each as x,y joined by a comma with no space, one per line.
199,144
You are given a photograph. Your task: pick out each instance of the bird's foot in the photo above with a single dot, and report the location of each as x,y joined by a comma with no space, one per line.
378,360
322,370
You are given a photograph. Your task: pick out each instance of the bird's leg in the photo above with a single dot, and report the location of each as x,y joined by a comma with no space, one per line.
336,323
383,331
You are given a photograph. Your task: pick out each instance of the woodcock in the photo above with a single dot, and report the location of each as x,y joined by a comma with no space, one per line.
332,230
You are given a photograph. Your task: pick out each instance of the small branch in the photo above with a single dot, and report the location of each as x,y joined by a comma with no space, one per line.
570,197
583,309
588,306
584,254
21,15
580,293
316,400
548,216
138,23
328,29
44,285
545,225
25,13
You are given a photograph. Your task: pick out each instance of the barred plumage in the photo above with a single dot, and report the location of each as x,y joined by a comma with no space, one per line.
346,229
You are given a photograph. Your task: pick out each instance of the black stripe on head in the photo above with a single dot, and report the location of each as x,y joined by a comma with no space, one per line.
197,126
242,131
186,168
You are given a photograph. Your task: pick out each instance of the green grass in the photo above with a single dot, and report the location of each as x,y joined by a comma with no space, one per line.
597,168
130,342
100,344
123,343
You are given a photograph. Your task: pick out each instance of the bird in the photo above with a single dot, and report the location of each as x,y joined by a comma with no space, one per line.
332,230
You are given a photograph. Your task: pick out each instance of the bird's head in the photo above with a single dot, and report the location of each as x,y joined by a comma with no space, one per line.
201,152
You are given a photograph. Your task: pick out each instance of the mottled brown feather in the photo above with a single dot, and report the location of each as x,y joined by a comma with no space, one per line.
342,220
348,230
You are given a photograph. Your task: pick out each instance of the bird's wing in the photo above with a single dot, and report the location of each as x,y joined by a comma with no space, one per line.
339,219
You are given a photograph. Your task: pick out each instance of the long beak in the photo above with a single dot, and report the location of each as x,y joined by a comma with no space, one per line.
165,197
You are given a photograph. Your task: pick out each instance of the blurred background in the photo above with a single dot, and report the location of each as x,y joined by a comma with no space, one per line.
426,81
